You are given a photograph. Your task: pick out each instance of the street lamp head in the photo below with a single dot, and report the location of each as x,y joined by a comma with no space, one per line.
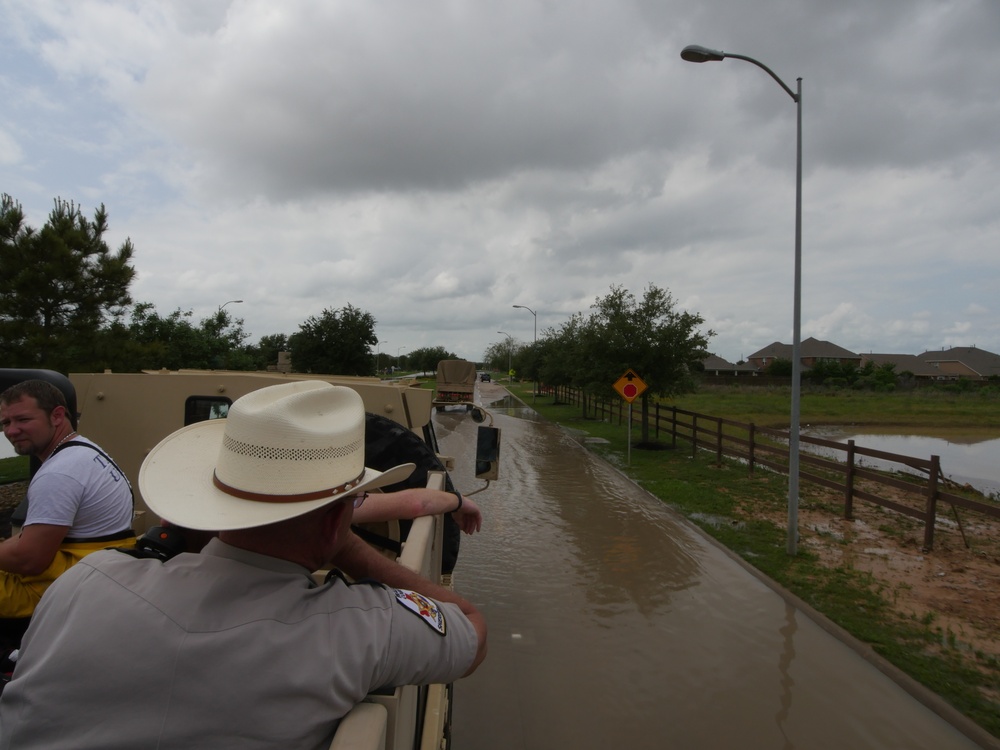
698,54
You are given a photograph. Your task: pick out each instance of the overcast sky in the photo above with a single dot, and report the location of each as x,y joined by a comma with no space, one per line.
435,163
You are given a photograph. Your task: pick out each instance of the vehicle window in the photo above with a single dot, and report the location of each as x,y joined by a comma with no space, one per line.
201,408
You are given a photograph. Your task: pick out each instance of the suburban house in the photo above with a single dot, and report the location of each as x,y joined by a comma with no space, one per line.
951,364
963,362
903,363
811,351
715,365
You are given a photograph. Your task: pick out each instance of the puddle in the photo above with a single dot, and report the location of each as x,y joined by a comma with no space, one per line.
967,457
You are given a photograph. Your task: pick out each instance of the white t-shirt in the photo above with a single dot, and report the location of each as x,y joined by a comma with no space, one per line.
80,488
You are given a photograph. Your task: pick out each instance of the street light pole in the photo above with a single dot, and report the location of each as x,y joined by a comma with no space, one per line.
534,385
698,54
398,348
510,347
231,302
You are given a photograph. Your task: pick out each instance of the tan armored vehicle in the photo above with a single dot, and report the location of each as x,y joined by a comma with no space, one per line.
456,382
128,414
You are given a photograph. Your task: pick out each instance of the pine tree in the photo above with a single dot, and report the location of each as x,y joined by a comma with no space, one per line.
58,286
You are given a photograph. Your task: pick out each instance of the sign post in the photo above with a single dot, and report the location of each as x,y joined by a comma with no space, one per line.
630,386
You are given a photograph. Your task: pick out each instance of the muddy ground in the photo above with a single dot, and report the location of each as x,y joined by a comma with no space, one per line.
955,587
10,495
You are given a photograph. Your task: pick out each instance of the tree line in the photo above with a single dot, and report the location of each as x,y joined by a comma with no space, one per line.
650,336
66,305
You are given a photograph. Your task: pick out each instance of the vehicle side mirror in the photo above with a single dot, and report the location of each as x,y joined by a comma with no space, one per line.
478,415
488,453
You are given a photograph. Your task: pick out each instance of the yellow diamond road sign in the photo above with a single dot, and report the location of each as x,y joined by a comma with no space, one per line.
630,386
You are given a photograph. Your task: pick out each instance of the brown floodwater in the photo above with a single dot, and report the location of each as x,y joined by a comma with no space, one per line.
616,624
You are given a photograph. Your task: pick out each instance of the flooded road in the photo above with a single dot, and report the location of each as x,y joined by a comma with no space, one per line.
613,624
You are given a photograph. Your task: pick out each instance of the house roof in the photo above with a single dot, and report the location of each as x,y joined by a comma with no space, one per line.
715,362
810,347
982,362
775,350
903,363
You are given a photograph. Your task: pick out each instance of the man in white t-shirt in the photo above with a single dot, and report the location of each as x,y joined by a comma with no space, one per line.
78,500
238,646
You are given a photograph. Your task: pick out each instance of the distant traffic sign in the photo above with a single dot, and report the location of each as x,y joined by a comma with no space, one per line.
630,386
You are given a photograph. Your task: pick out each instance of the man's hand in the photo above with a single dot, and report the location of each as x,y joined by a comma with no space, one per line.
469,518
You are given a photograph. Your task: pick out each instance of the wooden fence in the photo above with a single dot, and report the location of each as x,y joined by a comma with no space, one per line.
918,494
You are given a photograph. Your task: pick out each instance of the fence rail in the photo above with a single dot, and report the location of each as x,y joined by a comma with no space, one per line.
917,495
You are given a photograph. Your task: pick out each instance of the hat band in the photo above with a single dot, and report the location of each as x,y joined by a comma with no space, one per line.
268,498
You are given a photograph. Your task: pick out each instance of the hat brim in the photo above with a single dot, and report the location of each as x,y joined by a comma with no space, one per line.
176,481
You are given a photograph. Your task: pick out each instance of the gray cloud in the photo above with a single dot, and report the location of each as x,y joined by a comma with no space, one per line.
435,163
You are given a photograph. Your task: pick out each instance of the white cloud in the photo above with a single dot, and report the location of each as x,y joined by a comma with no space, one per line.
435,164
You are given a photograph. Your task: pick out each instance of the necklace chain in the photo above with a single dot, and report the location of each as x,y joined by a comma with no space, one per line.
68,436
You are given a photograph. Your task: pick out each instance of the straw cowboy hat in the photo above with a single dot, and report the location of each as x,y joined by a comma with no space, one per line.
282,451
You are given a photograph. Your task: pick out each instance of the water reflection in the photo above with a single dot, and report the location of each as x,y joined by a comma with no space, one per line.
966,457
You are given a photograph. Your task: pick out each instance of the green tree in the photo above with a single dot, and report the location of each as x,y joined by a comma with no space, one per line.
831,372
876,377
172,342
562,360
779,367
650,337
336,342
154,341
501,355
426,358
561,353
58,286
225,338
265,352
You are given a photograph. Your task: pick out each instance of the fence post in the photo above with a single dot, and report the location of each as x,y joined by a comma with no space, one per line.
751,435
932,493
673,426
694,436
849,482
718,442
656,423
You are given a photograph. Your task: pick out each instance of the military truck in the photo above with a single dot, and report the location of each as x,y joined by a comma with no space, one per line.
128,414
456,383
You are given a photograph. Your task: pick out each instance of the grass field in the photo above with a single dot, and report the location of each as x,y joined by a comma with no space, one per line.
13,469
770,407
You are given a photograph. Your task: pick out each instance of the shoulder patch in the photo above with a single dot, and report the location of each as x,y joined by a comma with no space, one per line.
424,608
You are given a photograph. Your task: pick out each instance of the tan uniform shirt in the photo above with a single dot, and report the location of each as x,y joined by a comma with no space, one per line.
223,649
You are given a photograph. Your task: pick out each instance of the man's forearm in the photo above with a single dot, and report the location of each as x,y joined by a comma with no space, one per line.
32,551
359,560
